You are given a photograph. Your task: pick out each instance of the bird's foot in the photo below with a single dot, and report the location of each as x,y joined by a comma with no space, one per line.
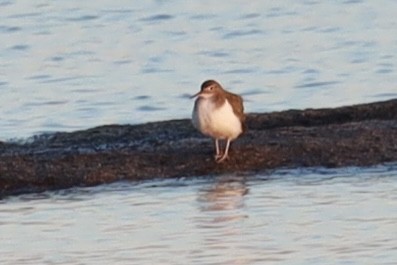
221,158
218,156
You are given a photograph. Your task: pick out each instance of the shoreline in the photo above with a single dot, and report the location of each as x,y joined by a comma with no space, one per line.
358,135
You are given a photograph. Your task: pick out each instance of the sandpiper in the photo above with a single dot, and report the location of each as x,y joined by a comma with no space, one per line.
219,114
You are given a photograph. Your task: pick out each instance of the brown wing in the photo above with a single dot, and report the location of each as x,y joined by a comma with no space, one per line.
237,102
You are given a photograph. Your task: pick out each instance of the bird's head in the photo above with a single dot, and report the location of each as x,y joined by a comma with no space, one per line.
209,89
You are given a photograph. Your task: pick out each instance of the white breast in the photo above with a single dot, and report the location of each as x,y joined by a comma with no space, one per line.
219,123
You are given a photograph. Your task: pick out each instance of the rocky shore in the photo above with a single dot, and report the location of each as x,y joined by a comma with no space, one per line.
359,135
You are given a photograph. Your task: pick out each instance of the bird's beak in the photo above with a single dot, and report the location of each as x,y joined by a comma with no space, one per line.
196,95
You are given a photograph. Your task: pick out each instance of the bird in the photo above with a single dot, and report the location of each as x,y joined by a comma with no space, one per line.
218,114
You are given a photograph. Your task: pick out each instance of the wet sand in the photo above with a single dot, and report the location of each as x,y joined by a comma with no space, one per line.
359,135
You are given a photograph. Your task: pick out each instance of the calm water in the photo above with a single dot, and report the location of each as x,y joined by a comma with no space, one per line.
308,216
68,65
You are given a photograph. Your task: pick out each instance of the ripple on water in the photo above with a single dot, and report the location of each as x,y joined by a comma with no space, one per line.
150,108
215,53
142,97
385,68
255,91
250,16
39,77
241,71
317,84
57,58
157,18
242,33
350,2
123,62
26,15
82,18
155,70
10,29
20,47
6,3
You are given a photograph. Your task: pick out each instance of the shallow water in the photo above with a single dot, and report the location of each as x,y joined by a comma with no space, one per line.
311,216
67,65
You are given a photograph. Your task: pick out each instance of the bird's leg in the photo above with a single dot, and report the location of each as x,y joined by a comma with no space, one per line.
225,155
218,153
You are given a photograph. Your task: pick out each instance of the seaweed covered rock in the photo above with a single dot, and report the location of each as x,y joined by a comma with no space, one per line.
359,135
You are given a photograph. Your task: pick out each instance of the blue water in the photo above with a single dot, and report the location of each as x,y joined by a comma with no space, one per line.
311,216
70,65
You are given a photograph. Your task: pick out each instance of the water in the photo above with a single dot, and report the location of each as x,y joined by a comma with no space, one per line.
68,65
311,216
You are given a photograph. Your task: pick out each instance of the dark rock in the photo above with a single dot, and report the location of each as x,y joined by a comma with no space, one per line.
360,135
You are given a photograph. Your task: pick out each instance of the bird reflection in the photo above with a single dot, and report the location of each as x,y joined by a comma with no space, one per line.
221,216
224,198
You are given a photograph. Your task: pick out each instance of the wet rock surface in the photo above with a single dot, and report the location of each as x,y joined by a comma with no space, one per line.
359,135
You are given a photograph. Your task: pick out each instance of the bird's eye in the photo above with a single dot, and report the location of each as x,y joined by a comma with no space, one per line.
210,88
